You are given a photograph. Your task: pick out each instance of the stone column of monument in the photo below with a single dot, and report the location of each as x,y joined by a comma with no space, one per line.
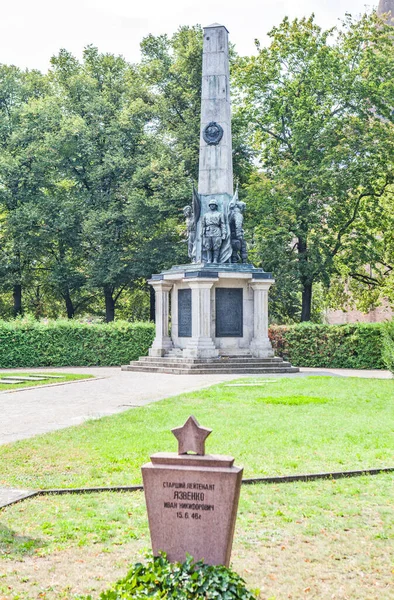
201,344
162,342
260,345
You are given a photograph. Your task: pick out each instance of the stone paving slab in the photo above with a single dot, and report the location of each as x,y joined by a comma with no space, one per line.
12,495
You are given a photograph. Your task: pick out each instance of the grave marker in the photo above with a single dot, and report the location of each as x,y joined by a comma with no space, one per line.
192,499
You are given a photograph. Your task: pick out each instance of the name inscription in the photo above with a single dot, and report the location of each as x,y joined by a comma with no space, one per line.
183,499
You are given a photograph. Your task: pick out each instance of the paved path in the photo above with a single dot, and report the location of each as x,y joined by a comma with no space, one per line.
363,373
28,412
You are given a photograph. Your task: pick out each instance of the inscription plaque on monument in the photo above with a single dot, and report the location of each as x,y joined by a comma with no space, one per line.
185,313
192,499
229,312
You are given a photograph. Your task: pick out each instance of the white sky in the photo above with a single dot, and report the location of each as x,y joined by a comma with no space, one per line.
31,31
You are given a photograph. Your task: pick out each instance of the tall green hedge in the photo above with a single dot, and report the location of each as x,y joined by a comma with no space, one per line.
352,346
388,345
29,343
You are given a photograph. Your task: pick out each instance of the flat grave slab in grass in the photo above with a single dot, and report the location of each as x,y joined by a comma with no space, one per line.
9,380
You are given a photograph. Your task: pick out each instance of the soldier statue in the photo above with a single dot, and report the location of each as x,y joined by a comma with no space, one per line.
236,221
190,232
213,232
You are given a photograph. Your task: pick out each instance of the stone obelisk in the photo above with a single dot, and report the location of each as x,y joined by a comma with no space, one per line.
216,163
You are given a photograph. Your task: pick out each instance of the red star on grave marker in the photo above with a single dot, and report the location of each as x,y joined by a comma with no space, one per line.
191,437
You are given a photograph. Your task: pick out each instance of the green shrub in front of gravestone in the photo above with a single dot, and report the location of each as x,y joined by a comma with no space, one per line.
159,578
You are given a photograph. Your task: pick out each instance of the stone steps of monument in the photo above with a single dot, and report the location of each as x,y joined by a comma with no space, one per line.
213,366
202,371
210,368
242,359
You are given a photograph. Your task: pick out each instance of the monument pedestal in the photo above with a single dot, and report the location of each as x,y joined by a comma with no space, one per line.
216,310
219,322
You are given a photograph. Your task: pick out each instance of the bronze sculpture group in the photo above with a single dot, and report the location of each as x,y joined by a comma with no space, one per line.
216,228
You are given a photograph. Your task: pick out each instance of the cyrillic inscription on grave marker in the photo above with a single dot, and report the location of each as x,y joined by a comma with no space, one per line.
192,499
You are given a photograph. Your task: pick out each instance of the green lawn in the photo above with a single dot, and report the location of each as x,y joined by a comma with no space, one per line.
48,378
330,538
284,426
322,539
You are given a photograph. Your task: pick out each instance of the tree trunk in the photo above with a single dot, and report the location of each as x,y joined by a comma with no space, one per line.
17,294
109,305
152,304
306,302
306,284
69,304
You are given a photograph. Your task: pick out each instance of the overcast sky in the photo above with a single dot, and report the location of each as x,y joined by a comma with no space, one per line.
31,31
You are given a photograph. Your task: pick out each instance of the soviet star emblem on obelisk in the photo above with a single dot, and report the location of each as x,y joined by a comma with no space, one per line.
192,499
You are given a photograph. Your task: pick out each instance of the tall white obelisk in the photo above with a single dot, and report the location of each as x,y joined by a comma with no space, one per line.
216,161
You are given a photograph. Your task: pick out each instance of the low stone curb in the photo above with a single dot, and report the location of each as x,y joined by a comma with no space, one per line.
9,496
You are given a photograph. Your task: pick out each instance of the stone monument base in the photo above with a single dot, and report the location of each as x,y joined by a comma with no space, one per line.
215,366
219,321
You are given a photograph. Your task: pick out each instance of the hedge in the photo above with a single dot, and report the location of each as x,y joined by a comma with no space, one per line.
30,343
351,346
388,345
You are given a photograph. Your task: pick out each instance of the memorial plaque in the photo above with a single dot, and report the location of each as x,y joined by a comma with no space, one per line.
229,312
185,313
192,499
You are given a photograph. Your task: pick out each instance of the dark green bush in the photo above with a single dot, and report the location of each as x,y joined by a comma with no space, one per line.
351,346
183,581
29,343
388,345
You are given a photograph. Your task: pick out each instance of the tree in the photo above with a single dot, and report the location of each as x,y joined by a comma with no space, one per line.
20,175
318,105
101,143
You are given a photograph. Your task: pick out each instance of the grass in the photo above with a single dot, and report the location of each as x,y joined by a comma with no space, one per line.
62,378
291,426
317,540
323,539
